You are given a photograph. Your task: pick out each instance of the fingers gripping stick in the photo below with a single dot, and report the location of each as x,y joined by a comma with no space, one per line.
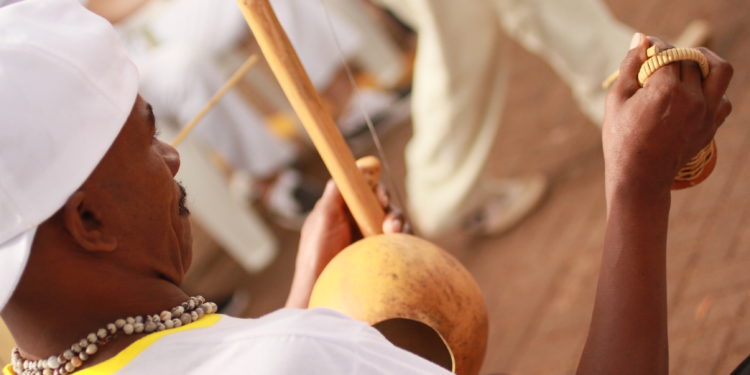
702,164
370,168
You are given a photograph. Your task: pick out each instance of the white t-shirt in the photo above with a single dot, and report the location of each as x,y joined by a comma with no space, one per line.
288,341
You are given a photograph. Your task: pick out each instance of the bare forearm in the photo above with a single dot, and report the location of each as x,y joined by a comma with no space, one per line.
649,132
628,333
299,294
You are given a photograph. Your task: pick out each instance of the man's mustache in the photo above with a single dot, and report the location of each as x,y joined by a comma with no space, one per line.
183,210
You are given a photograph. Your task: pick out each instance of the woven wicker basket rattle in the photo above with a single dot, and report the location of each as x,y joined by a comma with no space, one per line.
702,164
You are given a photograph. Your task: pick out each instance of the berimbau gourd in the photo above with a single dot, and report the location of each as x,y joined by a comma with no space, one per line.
416,294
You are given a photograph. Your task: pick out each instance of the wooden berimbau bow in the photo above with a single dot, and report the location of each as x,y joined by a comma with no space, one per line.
419,296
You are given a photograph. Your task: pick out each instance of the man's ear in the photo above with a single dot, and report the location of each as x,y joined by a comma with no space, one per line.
84,225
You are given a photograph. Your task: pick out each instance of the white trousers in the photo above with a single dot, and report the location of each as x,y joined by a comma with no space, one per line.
461,79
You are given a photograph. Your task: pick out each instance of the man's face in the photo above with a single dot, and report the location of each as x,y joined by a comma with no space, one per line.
138,202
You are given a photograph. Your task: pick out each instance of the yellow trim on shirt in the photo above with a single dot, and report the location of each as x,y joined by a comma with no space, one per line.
124,357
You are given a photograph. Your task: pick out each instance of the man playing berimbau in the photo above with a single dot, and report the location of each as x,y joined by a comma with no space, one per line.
95,235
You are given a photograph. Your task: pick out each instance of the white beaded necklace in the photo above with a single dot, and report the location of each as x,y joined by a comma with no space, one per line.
70,360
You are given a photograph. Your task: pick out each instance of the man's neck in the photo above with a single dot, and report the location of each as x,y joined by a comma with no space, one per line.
48,324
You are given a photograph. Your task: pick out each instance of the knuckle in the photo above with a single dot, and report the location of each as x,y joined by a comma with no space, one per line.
728,106
707,52
725,70
718,64
724,110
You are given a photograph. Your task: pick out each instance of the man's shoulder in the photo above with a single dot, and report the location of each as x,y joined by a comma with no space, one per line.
314,323
286,330
287,341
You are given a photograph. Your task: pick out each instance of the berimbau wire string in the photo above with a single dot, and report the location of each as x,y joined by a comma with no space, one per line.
392,187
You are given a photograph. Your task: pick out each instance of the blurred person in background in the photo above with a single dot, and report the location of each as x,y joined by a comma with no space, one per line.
460,87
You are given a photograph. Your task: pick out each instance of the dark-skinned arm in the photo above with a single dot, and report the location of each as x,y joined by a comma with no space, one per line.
648,134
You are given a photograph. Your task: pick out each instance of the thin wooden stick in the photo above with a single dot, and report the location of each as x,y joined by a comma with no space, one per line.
306,102
236,76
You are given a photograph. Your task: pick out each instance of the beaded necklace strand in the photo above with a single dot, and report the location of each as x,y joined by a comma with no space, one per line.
71,359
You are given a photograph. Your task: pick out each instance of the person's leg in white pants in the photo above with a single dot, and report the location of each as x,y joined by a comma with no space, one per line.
580,39
458,95
378,52
460,84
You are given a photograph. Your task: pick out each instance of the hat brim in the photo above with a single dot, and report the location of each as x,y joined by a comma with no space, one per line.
14,254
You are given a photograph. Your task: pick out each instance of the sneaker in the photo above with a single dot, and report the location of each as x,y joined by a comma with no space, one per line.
508,202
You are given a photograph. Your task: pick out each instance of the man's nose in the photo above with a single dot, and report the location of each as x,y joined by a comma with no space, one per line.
171,157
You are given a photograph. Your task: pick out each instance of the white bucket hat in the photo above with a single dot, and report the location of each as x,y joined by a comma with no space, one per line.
67,87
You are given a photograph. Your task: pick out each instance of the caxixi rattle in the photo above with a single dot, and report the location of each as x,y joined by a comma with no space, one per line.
702,164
